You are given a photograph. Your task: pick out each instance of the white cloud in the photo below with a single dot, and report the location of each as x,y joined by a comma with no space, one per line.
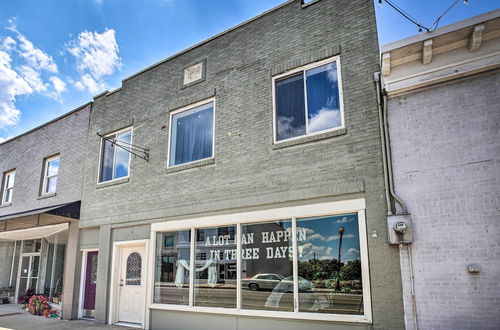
344,220
35,57
316,236
58,84
96,56
32,78
336,237
11,85
324,119
8,44
353,251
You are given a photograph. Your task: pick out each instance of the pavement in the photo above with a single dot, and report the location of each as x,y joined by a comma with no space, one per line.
13,317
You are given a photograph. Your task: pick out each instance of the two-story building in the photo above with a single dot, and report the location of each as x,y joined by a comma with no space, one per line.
41,188
239,184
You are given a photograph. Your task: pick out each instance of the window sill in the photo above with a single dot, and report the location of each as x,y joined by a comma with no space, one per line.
47,195
197,163
264,313
309,138
5,205
112,183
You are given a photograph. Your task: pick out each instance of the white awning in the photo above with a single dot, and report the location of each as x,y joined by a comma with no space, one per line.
32,233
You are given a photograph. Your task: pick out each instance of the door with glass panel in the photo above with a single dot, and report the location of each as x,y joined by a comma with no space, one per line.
131,299
28,275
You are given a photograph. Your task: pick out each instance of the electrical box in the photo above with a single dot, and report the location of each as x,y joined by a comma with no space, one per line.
399,229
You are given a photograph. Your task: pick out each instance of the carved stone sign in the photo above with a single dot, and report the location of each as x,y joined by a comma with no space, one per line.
193,73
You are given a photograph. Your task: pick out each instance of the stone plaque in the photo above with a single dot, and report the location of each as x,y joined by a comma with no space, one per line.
193,73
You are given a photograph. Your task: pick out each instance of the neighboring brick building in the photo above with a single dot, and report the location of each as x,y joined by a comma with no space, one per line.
444,118
42,175
314,152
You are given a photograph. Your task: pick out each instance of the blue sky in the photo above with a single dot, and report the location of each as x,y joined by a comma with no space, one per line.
56,54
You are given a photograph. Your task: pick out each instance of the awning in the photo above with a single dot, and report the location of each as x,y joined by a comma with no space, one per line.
68,210
34,232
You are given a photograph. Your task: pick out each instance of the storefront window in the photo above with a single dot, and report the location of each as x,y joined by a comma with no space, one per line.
54,268
295,265
9,250
172,268
329,265
215,279
267,266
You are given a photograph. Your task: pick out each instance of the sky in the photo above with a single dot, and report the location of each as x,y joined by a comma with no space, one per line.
55,55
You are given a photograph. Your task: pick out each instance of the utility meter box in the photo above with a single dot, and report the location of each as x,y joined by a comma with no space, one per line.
399,229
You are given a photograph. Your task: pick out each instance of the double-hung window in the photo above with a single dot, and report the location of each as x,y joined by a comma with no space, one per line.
50,174
282,263
308,100
8,187
115,155
192,133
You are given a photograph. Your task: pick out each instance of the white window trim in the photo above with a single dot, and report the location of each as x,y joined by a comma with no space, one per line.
99,168
4,190
293,212
303,69
186,108
47,177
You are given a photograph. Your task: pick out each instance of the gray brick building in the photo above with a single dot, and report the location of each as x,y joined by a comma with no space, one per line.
241,226
42,176
444,118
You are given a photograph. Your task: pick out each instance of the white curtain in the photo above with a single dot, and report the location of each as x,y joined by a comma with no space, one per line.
183,265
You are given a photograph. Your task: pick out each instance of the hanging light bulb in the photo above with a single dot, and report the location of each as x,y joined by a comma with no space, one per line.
380,3
466,2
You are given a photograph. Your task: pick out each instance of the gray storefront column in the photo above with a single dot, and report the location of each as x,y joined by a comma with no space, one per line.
101,298
71,276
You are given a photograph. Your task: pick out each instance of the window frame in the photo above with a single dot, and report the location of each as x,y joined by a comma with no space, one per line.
303,69
187,108
46,177
99,170
4,187
295,212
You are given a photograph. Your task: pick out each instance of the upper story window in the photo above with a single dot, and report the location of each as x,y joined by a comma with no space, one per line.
308,100
8,186
192,133
115,155
50,174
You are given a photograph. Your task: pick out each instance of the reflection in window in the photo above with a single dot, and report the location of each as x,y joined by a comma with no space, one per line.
329,258
215,278
54,273
172,268
267,266
134,266
115,156
50,174
192,135
315,107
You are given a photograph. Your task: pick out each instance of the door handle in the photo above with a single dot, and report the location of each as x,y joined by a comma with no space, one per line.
121,282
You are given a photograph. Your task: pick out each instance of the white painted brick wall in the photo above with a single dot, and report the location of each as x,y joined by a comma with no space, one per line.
446,151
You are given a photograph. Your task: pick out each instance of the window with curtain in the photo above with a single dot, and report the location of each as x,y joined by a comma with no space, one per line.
308,101
323,274
115,155
192,134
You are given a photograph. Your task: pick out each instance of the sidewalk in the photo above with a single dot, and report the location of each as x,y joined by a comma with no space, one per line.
12,317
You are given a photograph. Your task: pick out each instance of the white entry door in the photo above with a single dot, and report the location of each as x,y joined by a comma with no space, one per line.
131,295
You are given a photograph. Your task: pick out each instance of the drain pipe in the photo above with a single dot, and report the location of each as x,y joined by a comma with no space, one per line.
376,77
389,191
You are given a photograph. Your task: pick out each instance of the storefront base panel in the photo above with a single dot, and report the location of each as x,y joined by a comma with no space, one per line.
175,320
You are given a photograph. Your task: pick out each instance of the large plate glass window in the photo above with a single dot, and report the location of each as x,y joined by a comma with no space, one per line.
50,174
192,134
8,187
215,267
267,266
308,101
329,261
173,250
115,155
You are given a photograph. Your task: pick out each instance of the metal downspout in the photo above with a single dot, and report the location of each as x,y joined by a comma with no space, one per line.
376,77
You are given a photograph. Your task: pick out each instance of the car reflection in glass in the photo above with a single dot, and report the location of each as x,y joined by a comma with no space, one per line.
275,282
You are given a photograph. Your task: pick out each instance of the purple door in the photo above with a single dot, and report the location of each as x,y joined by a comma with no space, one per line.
90,281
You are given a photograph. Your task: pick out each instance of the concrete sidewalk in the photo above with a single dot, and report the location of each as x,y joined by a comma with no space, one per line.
12,317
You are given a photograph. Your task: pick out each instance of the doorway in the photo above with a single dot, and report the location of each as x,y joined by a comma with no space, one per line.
129,298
